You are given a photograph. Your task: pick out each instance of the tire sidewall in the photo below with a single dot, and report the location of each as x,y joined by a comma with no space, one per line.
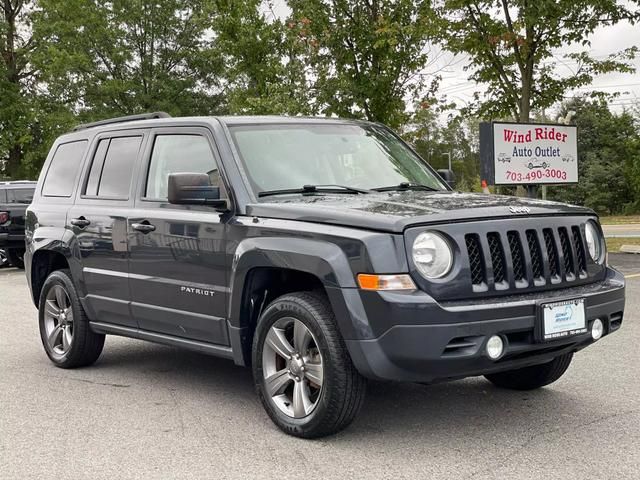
60,278
280,309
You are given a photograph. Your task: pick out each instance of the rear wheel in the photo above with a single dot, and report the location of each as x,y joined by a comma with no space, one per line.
64,327
303,374
4,261
16,257
530,378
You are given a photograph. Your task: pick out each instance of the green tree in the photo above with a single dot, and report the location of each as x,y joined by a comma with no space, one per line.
608,150
264,62
18,108
511,46
129,56
455,140
366,56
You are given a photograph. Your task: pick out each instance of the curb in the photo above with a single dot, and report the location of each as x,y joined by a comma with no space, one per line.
630,249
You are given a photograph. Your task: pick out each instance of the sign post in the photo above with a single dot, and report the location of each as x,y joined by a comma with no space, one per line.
528,154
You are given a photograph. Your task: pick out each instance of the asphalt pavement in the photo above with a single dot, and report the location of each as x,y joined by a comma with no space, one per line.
155,412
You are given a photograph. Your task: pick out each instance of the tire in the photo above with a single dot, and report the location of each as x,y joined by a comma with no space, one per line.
16,257
530,378
4,261
68,340
336,393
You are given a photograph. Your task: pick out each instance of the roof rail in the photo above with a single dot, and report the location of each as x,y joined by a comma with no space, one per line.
17,182
128,118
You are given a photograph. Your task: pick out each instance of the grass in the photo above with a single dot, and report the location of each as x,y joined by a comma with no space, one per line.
620,219
614,244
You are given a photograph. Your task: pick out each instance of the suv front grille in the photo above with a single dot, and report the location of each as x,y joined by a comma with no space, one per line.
522,258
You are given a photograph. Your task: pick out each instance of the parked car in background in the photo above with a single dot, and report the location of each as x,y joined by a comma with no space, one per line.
15,197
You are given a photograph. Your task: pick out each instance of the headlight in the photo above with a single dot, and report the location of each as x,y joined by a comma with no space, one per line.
594,242
432,255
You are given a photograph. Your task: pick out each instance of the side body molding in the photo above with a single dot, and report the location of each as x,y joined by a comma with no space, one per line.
324,260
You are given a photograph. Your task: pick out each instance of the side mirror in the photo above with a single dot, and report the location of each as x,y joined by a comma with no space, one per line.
195,189
448,176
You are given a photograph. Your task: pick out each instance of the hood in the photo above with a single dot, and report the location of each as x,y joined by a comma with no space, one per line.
395,211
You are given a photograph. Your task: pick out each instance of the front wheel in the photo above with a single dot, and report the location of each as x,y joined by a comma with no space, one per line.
530,378
302,371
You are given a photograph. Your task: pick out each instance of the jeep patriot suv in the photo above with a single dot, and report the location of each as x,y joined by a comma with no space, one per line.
320,252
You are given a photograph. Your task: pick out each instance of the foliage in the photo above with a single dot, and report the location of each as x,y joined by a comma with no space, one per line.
456,139
511,48
129,56
265,71
18,106
366,56
608,154
64,62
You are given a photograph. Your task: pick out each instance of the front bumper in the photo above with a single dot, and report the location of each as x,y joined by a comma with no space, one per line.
446,341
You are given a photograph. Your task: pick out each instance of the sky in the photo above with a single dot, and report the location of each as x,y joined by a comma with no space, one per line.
604,41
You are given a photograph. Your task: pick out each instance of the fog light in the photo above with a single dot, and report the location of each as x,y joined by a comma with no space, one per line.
597,329
495,347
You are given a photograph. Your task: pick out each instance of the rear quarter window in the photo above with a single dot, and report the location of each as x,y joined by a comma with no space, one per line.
63,169
112,167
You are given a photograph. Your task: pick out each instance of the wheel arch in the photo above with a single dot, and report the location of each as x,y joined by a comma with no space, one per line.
43,262
266,268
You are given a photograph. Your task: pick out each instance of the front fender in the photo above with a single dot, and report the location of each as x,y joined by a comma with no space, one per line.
324,260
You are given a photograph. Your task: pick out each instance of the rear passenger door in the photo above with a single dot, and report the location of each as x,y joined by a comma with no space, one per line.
177,256
99,221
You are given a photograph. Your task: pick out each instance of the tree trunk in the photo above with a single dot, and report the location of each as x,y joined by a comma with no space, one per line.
12,76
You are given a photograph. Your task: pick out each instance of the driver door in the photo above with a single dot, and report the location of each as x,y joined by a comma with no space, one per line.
177,252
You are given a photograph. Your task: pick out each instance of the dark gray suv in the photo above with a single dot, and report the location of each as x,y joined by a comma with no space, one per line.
320,252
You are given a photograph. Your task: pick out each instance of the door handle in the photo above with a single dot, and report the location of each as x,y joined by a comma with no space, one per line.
144,227
80,222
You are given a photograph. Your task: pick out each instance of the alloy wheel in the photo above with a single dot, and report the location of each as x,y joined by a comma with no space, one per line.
292,367
58,320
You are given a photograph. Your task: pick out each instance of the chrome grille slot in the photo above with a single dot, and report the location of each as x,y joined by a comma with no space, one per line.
567,254
497,257
517,256
476,263
552,253
577,241
536,254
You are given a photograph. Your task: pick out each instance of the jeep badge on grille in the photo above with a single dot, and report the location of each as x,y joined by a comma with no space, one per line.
519,209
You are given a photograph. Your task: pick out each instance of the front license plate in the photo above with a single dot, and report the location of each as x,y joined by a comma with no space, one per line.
563,319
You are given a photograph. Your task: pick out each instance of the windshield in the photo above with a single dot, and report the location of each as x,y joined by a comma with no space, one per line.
277,157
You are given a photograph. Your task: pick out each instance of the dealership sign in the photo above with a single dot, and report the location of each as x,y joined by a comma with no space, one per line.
528,153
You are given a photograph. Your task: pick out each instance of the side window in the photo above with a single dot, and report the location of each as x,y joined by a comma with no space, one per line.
112,167
3,195
20,195
61,176
175,154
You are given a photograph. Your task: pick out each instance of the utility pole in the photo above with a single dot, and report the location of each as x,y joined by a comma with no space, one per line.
448,154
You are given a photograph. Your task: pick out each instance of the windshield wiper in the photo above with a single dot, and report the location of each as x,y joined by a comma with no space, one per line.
329,188
405,186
